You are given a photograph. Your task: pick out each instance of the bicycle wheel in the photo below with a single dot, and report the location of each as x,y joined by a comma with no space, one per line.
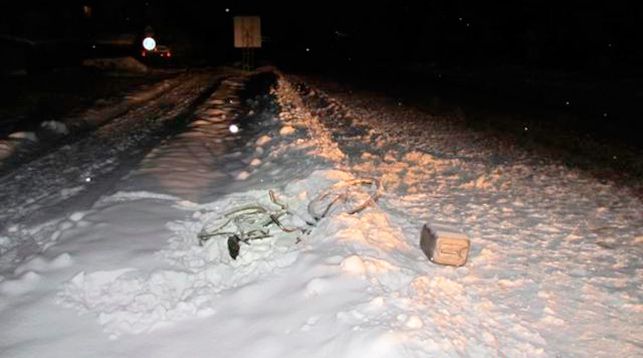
231,223
349,197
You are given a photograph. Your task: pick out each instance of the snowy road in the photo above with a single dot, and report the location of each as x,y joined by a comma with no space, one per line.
45,187
111,267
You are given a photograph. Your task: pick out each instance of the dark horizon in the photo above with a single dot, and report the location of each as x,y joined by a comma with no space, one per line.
572,36
578,58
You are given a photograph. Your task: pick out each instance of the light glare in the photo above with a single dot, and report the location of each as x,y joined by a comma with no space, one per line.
149,43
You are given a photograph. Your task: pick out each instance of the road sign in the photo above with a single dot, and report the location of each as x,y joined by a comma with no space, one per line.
247,32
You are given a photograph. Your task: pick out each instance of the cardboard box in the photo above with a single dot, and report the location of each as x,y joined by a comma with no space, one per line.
444,245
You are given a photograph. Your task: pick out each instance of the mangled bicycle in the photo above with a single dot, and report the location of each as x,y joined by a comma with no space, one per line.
256,222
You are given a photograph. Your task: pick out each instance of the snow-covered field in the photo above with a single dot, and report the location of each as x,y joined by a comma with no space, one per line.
554,270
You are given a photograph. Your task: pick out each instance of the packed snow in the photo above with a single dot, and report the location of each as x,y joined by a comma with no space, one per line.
554,270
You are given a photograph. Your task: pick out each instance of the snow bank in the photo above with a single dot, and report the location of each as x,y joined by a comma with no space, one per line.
55,127
131,301
356,286
536,284
123,64
30,136
15,142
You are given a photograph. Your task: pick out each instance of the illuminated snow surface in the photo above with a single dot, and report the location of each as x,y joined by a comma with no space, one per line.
555,267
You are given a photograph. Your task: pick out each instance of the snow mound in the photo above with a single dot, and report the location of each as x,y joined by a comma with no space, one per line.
23,284
30,136
131,301
121,64
6,149
55,127
41,264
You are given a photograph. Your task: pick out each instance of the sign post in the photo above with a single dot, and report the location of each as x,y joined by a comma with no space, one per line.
247,37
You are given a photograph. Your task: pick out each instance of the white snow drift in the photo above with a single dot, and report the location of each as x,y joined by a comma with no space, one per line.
554,267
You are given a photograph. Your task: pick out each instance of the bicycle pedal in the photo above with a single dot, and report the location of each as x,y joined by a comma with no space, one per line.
233,246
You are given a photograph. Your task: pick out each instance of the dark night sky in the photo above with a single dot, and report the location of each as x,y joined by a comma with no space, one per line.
528,32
